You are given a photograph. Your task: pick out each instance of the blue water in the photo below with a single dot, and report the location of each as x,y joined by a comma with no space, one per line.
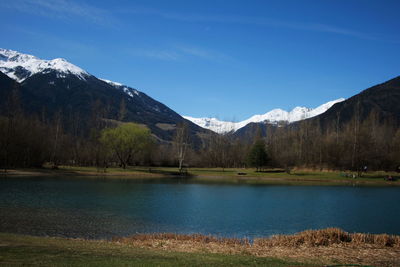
99,208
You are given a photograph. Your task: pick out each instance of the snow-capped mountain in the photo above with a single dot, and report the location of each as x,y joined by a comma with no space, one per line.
20,66
274,116
52,86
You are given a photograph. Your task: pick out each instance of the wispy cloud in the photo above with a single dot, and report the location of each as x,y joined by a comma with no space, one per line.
70,10
61,9
158,54
261,21
180,52
207,54
54,44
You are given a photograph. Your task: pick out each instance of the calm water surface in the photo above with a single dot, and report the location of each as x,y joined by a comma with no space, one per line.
99,208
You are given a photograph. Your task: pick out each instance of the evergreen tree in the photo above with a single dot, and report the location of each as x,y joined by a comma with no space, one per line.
258,156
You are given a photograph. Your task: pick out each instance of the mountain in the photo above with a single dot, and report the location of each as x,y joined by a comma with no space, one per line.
57,86
383,99
276,116
20,66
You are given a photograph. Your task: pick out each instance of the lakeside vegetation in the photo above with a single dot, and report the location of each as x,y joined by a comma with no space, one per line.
309,248
218,175
364,142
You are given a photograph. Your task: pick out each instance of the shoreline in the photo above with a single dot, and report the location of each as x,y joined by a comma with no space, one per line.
321,247
202,175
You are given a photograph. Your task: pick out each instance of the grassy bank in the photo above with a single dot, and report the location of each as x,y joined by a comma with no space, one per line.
310,248
20,250
217,175
296,177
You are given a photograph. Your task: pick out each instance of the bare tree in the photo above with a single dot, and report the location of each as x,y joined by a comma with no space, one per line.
57,121
356,130
181,142
122,110
14,113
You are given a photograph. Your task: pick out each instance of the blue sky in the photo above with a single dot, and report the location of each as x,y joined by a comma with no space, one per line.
226,59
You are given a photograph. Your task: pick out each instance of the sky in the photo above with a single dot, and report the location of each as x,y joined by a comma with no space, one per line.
224,59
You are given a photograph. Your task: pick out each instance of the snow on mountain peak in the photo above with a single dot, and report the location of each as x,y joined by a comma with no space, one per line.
112,83
127,90
19,66
274,116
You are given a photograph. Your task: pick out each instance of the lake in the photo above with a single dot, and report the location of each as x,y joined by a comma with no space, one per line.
103,208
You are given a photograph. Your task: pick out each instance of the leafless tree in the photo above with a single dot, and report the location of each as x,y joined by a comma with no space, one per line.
181,142
122,110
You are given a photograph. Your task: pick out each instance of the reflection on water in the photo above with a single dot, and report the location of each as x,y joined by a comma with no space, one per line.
99,208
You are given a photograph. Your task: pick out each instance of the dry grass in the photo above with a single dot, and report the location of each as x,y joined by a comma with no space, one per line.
330,246
180,237
328,237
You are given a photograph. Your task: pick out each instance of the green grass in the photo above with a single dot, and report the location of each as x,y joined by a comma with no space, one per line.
275,176
229,172
21,250
231,175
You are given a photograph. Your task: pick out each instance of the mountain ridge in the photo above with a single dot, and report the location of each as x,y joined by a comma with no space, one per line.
275,116
54,86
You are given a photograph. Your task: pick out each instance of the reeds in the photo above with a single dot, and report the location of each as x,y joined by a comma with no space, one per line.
331,245
328,237
308,238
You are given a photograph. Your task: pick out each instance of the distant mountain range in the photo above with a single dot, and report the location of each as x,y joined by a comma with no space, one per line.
275,116
51,86
382,99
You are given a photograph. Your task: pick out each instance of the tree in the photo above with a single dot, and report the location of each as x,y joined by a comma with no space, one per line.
57,126
356,133
125,141
13,115
97,122
122,110
258,156
181,142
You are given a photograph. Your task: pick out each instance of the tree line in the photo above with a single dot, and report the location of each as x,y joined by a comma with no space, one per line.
65,139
